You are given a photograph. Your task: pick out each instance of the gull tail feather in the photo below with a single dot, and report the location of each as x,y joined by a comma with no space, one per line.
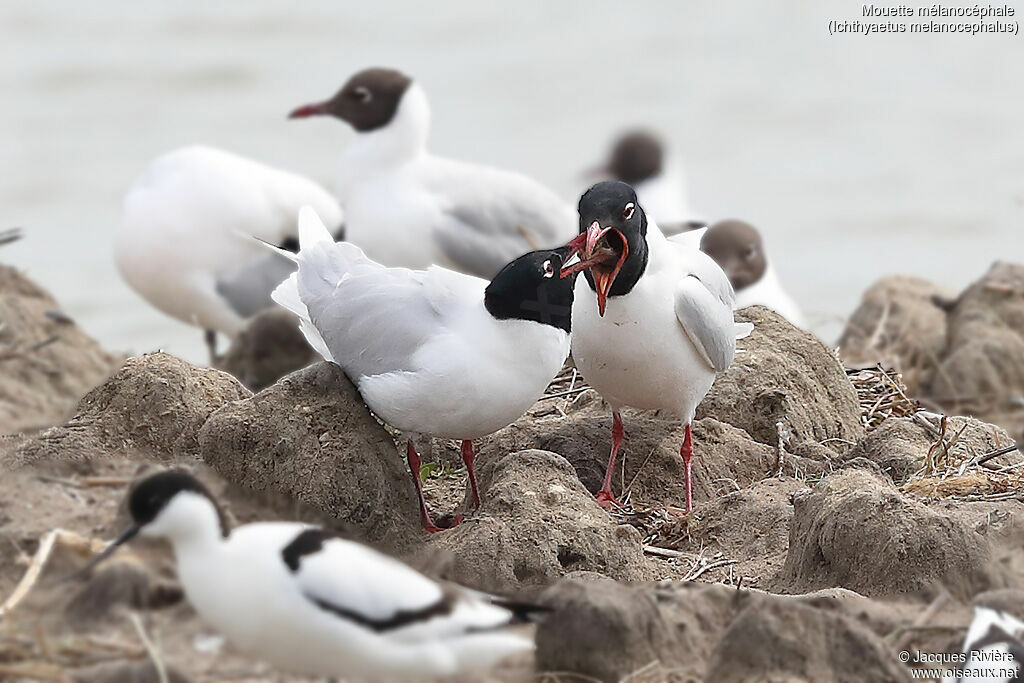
287,296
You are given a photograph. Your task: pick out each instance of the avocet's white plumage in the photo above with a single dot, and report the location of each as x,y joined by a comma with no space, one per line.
185,239
427,354
667,327
407,207
310,603
993,648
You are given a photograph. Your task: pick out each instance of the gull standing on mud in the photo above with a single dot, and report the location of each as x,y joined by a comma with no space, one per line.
738,248
433,352
185,239
407,207
308,602
652,320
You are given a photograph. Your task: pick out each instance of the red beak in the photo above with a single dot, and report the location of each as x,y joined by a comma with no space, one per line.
587,243
306,110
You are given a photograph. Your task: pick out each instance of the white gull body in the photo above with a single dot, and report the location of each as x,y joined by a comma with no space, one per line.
185,239
660,346
328,607
768,292
407,207
425,353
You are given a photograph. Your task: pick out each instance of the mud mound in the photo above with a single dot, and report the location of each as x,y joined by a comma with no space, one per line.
269,348
155,403
537,524
783,374
900,446
600,630
774,641
47,362
649,468
899,324
855,530
311,438
749,526
981,372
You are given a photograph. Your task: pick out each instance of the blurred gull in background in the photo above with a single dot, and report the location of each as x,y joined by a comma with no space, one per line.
639,158
185,240
738,248
407,207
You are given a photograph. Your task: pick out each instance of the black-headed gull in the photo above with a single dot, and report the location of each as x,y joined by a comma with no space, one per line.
652,319
308,602
185,238
738,248
407,207
638,158
433,352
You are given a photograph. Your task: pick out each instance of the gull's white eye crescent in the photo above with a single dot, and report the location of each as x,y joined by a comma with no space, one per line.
362,93
549,270
627,212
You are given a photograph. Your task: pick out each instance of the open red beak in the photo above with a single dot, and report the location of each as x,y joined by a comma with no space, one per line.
306,110
602,262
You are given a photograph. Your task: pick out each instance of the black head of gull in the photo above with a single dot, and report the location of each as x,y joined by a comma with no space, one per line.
530,288
155,508
612,242
636,157
736,247
368,100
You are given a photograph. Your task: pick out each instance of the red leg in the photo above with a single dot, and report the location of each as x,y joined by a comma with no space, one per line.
414,469
467,458
605,497
686,450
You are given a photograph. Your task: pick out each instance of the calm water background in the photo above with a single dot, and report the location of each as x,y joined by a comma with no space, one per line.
857,156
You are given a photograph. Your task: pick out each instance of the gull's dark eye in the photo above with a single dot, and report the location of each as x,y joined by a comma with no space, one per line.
627,212
362,94
549,269
750,253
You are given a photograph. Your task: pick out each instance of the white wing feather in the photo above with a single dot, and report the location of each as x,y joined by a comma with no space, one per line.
350,578
369,319
704,305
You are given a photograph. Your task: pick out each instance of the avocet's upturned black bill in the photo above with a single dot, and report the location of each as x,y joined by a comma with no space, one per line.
313,604
433,352
652,321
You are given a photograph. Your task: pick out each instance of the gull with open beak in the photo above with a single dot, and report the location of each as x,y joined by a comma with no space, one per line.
652,319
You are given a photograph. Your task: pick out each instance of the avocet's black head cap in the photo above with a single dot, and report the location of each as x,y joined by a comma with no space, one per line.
530,288
146,500
636,156
368,100
613,239
151,495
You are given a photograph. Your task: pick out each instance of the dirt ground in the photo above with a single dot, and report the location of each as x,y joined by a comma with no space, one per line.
837,521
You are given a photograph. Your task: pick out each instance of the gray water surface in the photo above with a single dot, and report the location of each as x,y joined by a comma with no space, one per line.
856,155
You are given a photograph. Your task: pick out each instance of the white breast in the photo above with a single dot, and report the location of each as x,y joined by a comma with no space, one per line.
468,387
638,355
